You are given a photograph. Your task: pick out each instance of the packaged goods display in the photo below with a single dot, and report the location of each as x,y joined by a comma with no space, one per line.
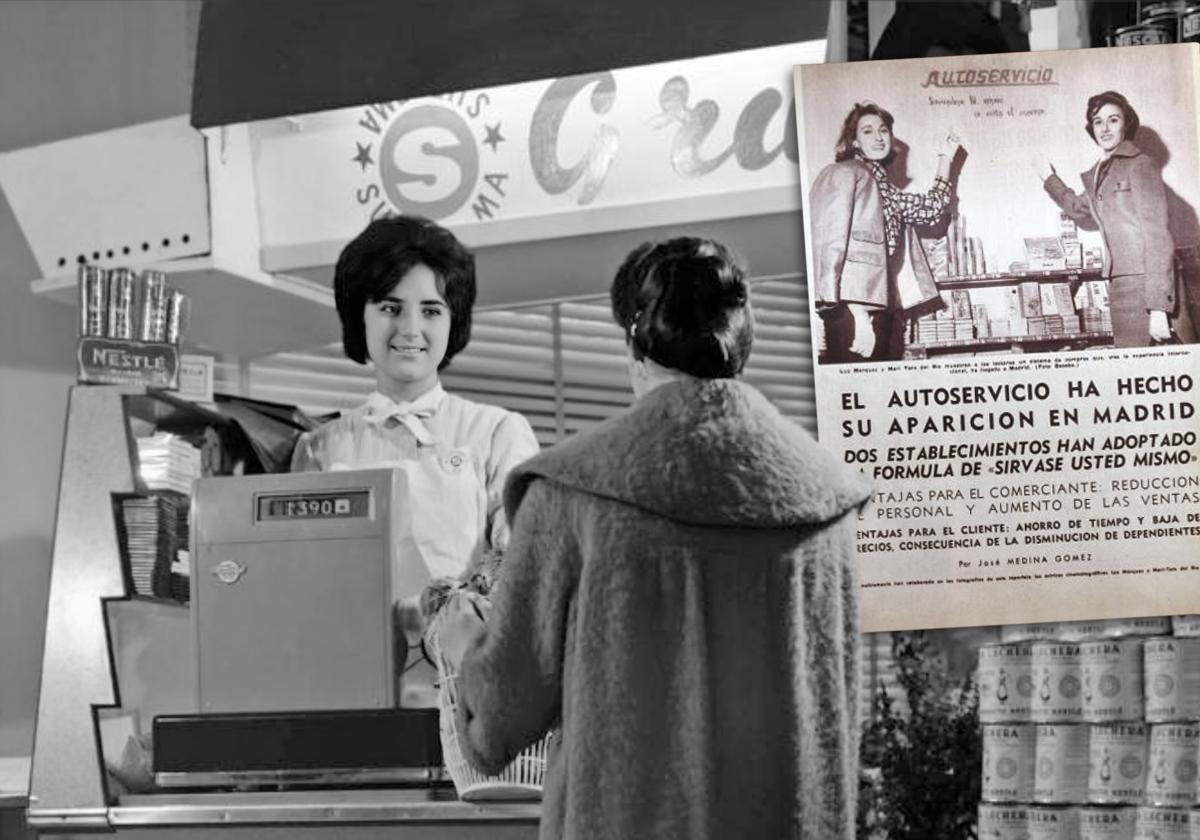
1110,737
130,328
1031,300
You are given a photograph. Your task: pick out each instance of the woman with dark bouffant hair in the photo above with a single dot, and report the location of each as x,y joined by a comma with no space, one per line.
404,289
862,239
679,595
1125,199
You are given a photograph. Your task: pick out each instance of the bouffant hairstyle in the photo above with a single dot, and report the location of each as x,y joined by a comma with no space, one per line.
685,304
379,257
844,150
1111,97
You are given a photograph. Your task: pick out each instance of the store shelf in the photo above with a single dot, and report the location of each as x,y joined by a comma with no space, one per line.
1013,343
294,808
240,313
1007,278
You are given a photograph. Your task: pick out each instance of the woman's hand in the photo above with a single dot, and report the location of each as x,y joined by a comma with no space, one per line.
948,144
461,624
1160,328
864,331
1041,166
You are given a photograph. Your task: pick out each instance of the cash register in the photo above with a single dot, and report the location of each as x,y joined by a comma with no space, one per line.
296,651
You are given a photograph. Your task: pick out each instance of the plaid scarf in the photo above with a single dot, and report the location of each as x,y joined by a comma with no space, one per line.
900,206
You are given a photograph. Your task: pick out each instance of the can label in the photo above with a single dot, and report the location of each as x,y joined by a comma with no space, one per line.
1161,823
1100,823
1172,679
1053,823
122,294
1171,777
1142,33
1187,625
154,306
1078,631
1116,628
1003,822
1189,25
1057,695
1005,682
1008,762
1117,763
1111,672
1061,762
93,301
1028,632
1158,8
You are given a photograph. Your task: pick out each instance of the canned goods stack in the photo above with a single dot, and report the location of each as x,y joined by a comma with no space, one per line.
1159,22
120,304
1091,730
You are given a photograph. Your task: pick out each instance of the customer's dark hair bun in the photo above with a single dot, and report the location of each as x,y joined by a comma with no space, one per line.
684,304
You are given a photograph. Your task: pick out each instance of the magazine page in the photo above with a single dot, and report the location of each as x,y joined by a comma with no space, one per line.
1000,253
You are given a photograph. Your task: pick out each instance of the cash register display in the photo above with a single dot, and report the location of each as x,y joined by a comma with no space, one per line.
343,504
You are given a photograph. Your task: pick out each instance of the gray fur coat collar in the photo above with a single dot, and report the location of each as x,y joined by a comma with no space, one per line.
706,452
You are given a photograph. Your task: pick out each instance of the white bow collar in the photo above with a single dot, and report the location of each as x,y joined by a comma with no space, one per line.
381,408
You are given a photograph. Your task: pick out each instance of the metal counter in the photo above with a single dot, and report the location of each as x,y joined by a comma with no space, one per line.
68,792
314,807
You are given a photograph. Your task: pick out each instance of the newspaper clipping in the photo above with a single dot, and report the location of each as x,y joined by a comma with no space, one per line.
1002,266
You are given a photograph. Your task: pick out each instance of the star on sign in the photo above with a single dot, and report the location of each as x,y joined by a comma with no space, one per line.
494,137
363,158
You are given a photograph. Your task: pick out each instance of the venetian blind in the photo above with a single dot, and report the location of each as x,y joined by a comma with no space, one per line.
562,365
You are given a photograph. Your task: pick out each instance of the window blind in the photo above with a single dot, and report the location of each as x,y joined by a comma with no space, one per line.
562,365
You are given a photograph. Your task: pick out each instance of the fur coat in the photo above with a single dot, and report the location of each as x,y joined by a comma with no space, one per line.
679,595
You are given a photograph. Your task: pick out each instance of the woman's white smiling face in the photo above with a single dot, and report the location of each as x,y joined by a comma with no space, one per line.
1109,126
407,333
873,138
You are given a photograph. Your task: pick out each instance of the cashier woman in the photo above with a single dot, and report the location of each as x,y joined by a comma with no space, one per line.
404,290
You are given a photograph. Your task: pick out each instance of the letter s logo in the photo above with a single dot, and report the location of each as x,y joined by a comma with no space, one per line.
440,162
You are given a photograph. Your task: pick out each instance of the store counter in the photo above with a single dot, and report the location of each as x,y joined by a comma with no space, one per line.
418,814
116,665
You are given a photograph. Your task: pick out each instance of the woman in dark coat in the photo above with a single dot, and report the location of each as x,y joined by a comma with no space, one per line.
679,594
1125,198
862,237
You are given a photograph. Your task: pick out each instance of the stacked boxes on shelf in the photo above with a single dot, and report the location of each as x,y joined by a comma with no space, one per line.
130,328
154,532
1091,730
1092,300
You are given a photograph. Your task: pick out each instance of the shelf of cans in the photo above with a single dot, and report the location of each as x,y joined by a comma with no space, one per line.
121,304
1161,22
1091,730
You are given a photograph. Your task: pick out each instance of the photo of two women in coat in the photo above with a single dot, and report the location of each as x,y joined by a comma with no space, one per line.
871,276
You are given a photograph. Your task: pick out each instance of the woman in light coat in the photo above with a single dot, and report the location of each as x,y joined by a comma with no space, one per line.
1125,198
870,271
679,594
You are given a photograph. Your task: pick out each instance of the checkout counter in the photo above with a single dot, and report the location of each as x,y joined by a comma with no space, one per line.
273,715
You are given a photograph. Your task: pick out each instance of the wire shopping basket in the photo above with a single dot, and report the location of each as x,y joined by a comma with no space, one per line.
521,779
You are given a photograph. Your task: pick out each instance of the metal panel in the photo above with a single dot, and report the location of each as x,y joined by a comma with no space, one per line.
292,614
131,196
273,57
66,785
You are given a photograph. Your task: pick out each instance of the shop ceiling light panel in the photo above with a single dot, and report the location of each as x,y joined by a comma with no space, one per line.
125,197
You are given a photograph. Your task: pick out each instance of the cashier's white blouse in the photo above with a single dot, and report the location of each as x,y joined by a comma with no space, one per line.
455,455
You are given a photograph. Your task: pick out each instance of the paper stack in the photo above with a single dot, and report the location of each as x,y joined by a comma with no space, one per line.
168,462
154,536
